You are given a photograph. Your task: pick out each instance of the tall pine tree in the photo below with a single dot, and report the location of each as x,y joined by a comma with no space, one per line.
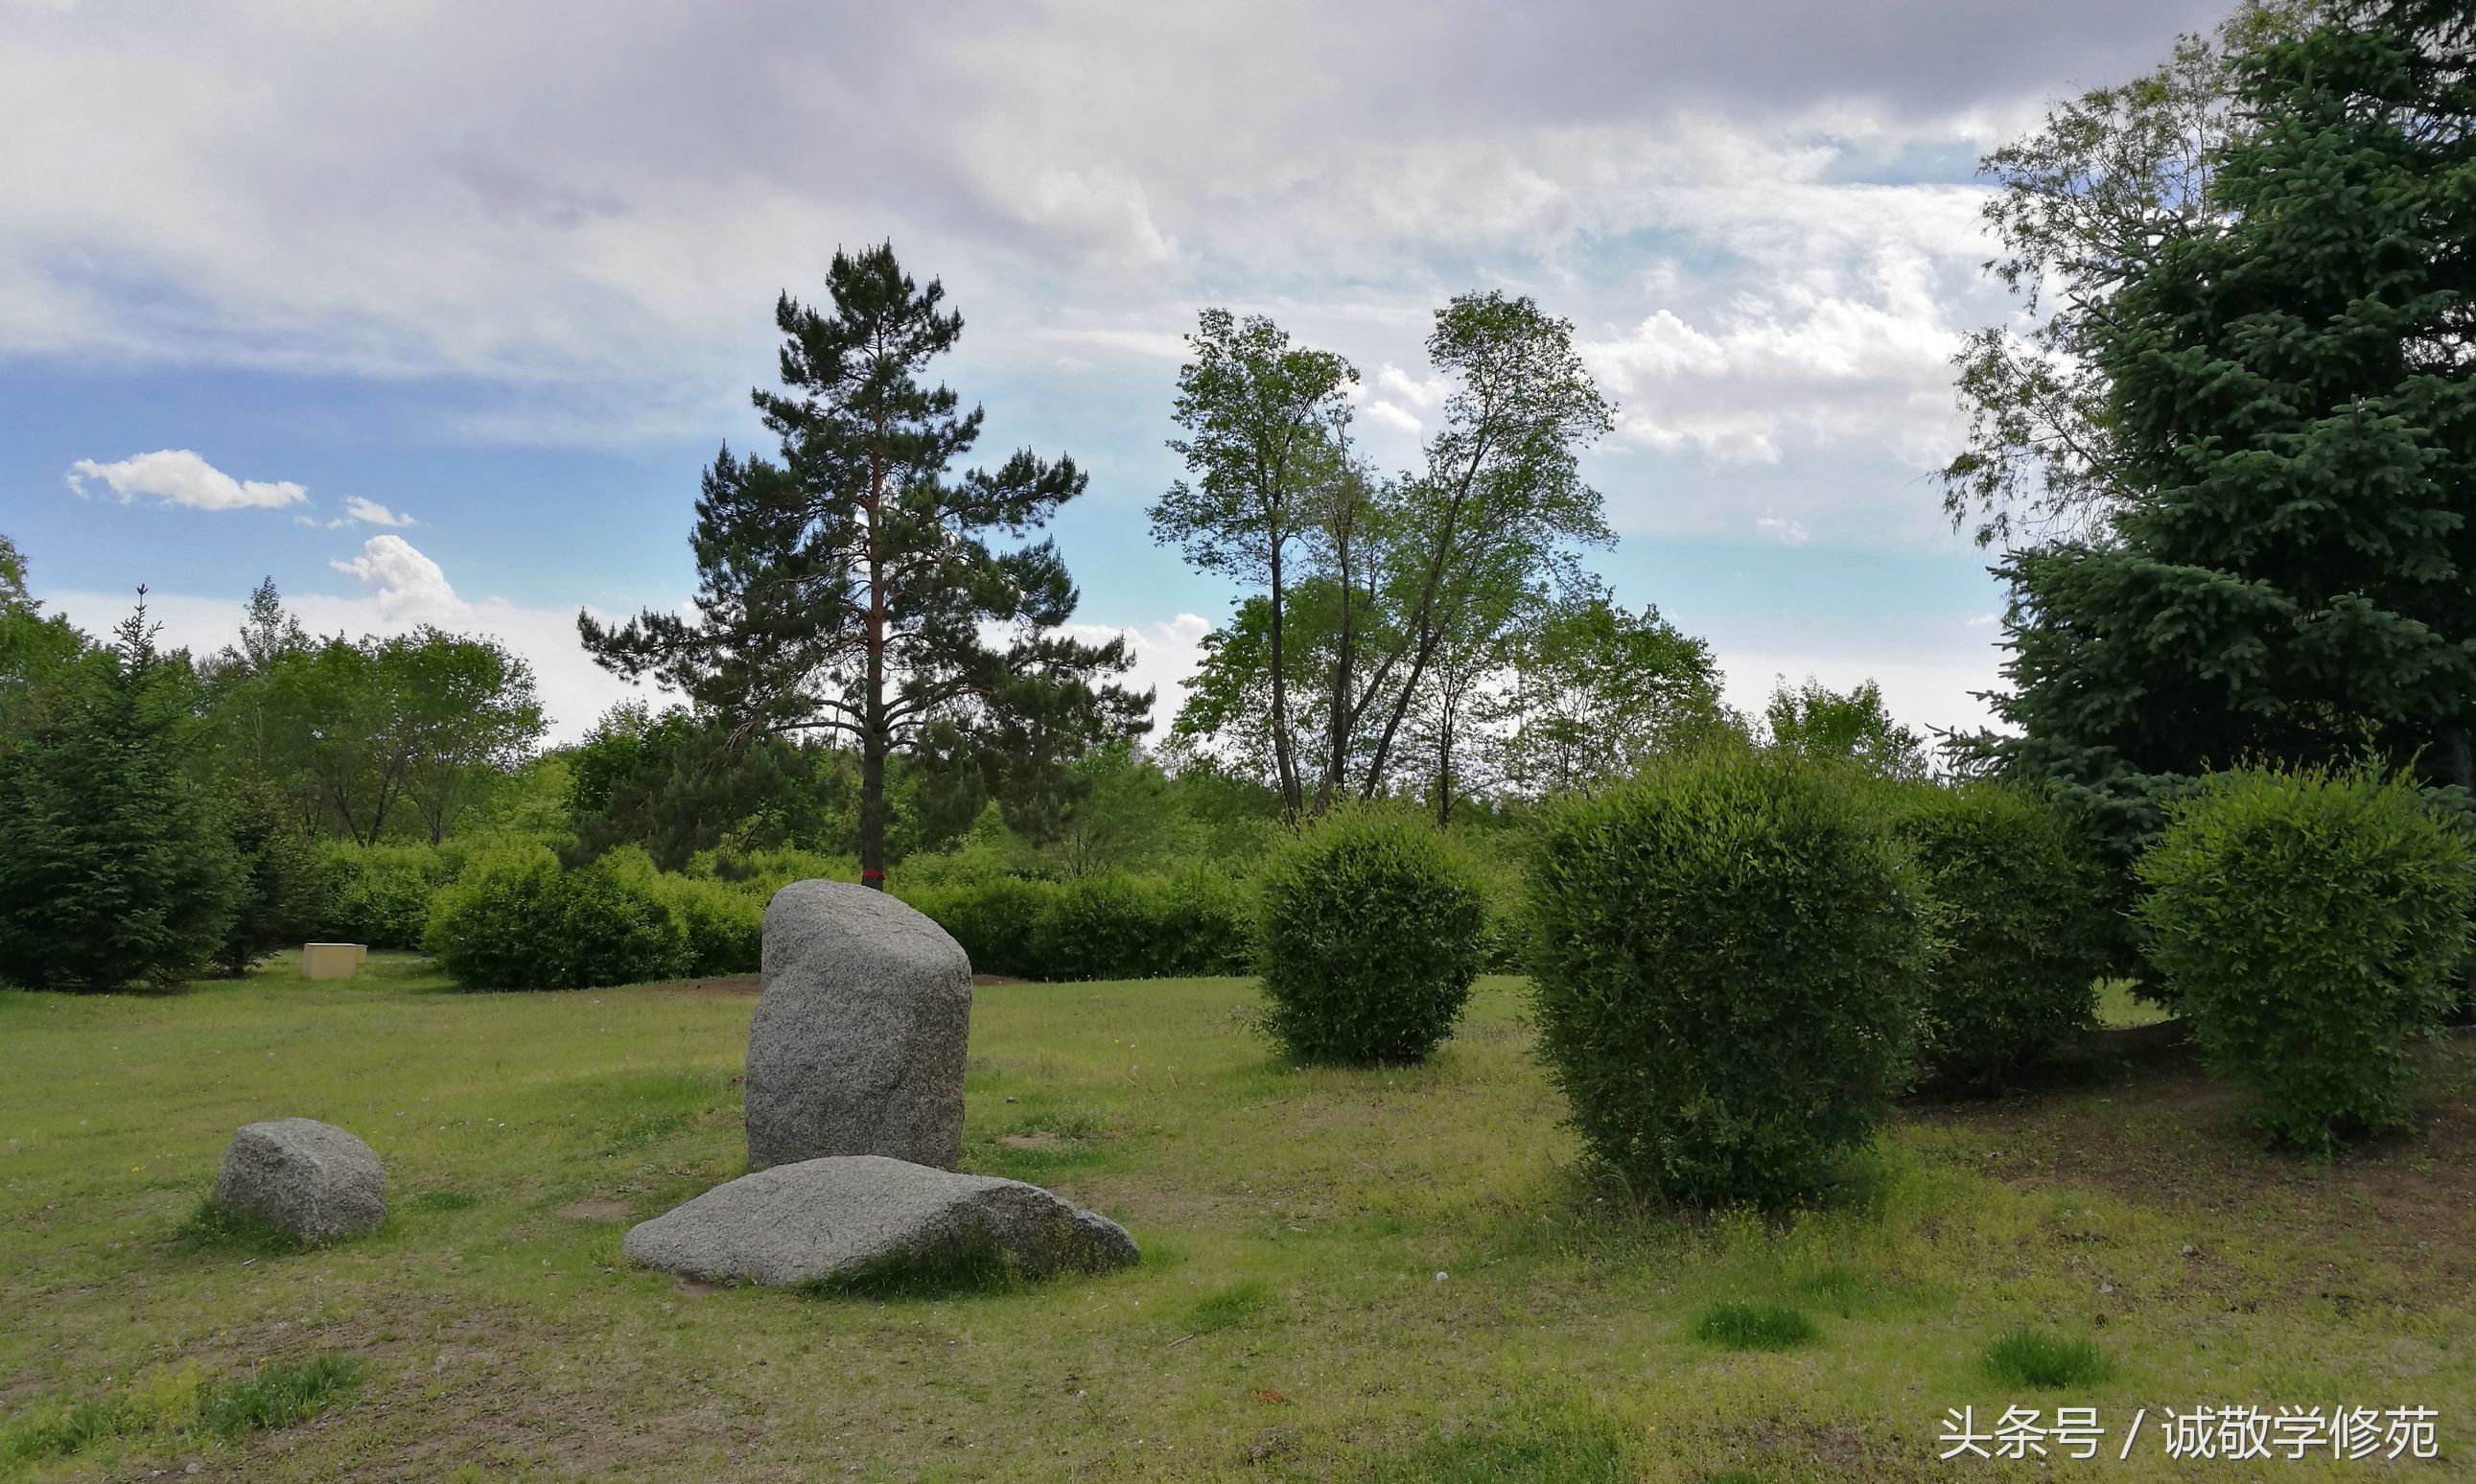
113,867
848,587
2291,572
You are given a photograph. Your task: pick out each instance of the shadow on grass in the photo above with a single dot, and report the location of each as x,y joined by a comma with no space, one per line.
211,1229
959,1271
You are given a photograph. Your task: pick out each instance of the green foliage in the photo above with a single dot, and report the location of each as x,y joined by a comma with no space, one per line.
1108,924
516,921
2309,924
725,928
408,732
1729,960
280,1396
2284,573
2046,1360
1203,922
380,895
1371,933
113,866
683,787
992,918
724,924
1097,926
286,894
1594,691
1820,725
1754,1327
864,553
2017,891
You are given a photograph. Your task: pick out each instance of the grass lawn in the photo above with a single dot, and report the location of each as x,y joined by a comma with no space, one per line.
1382,1275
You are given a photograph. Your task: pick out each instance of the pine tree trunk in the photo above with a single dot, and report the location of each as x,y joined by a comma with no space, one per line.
874,741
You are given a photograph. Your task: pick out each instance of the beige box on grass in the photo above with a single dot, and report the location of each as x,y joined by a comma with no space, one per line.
331,961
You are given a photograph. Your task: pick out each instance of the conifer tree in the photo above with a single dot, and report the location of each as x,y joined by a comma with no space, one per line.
2291,572
847,588
113,867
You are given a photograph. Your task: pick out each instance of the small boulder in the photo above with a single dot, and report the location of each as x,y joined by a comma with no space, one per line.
856,1046
310,1178
826,1218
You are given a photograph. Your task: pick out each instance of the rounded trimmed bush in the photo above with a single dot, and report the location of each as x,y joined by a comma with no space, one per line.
518,921
2309,924
2016,890
1370,931
1728,957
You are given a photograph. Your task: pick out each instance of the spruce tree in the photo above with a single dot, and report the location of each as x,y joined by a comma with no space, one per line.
2291,574
113,867
846,588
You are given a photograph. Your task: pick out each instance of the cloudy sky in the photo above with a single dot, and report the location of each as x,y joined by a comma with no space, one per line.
433,311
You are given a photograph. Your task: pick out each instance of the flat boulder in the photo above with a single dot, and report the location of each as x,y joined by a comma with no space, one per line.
858,1214
857,1043
310,1178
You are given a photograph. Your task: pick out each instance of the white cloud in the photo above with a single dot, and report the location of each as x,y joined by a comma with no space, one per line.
1165,654
370,512
176,475
1390,416
407,587
1783,528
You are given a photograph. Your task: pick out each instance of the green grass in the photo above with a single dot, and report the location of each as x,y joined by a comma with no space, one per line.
175,1407
1394,1273
1754,1327
280,1396
1242,1302
2044,1359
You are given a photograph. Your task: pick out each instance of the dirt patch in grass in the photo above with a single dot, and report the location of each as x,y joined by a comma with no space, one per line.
2163,1134
597,1209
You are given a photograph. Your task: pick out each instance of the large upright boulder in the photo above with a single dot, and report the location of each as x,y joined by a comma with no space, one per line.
856,1046
307,1177
822,1220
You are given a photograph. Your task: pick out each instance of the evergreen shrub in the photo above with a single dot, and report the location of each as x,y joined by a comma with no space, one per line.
1097,926
2310,925
1203,923
2016,888
1371,930
516,921
1729,956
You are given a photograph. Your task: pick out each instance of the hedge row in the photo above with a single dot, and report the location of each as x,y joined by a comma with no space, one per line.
1106,925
